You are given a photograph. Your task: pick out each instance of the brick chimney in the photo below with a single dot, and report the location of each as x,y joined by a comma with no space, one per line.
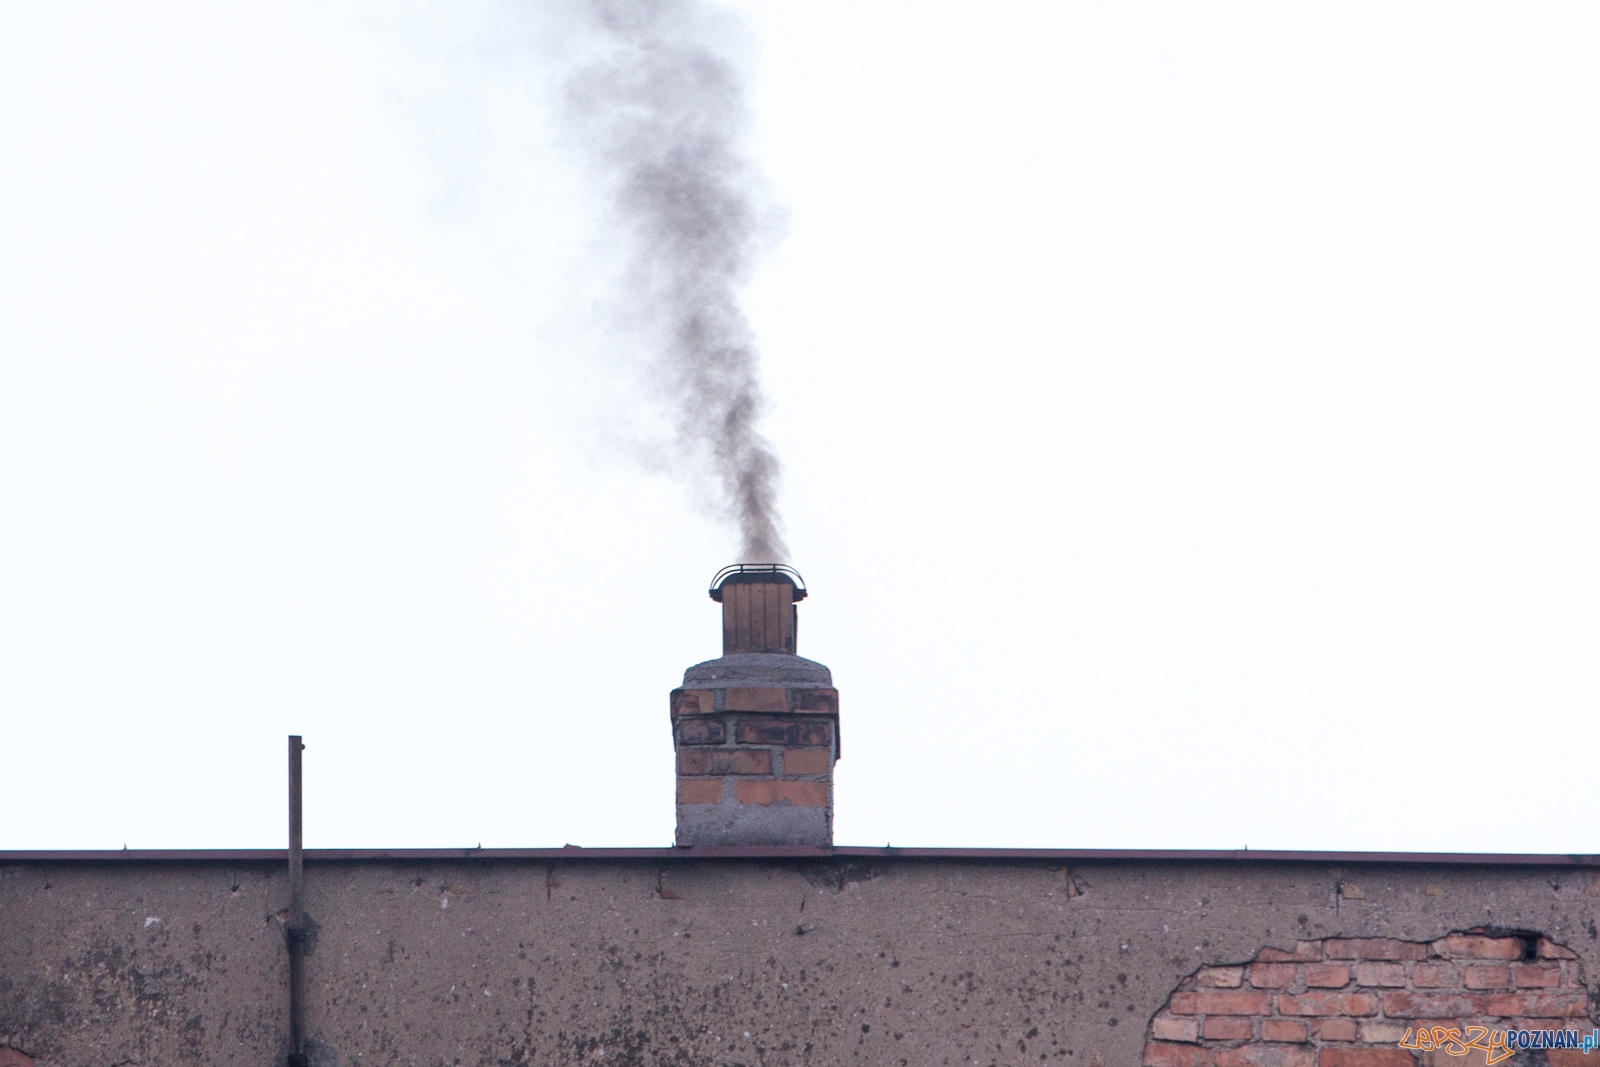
756,732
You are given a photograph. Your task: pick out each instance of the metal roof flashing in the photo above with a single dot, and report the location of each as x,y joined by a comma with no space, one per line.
573,853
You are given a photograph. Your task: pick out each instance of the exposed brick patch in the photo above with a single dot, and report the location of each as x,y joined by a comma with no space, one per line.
1347,1002
804,794
724,761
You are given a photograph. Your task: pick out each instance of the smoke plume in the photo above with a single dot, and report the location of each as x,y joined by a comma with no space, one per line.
661,116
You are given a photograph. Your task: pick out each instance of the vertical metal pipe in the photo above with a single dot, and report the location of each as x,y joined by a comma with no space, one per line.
296,931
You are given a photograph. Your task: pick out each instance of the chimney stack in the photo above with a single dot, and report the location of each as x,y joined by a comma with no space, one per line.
756,732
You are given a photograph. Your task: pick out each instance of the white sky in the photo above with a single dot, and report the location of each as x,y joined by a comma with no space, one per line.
1188,412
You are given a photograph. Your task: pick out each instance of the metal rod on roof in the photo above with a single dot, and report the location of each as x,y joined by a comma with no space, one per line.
296,930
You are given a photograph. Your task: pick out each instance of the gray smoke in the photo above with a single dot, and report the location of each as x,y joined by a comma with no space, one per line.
662,117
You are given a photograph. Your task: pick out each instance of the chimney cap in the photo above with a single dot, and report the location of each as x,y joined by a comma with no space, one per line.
742,573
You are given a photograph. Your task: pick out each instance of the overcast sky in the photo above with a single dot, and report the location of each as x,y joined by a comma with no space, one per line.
1188,417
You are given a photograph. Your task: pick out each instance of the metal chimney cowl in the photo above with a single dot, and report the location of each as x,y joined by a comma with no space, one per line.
756,731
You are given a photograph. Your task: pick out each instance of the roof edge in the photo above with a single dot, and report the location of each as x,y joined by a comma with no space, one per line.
573,853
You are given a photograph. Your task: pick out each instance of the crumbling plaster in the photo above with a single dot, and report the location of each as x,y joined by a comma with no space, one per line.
891,961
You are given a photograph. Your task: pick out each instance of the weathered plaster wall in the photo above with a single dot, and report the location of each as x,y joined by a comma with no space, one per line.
692,962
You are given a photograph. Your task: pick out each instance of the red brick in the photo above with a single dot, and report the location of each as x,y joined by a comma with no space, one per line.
779,732
807,761
1365,1057
762,732
817,701
801,794
1272,975
1328,975
1549,1005
1285,1030
1303,950
724,761
1433,1006
1219,977
1265,1056
1168,1028
1537,975
1374,948
691,702
699,731
1473,946
1381,974
1386,1032
1435,975
1337,1028
1160,1054
816,732
1328,1004
1487,976
1568,1057
699,790
1549,950
1229,1028
1208,1003
756,700
1541,1024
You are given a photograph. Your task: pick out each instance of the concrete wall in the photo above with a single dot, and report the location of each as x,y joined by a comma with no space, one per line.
892,961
